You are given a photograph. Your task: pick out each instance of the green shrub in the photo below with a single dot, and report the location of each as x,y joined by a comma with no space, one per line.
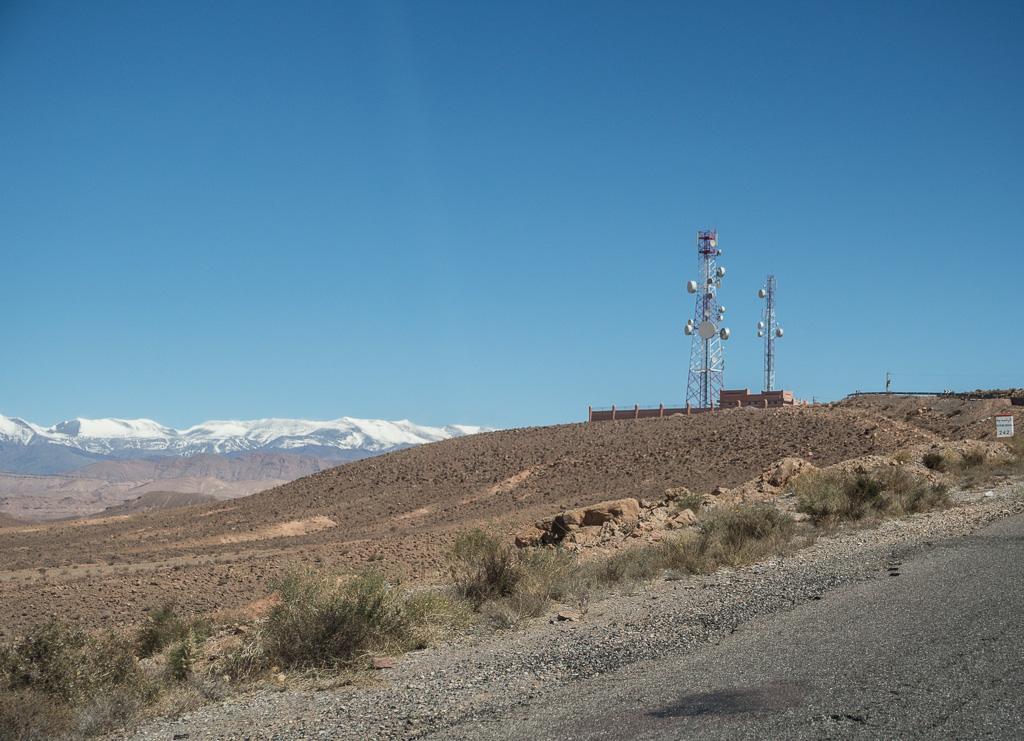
326,622
165,627
184,655
934,461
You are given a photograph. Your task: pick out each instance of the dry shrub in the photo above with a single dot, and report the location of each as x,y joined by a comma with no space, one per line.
58,680
511,611
973,457
483,566
835,495
628,566
977,468
1016,445
183,638
323,622
508,586
27,714
551,573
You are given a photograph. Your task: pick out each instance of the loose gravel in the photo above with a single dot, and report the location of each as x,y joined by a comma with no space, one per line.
429,693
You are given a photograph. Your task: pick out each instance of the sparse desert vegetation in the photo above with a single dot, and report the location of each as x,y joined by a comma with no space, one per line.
837,495
334,606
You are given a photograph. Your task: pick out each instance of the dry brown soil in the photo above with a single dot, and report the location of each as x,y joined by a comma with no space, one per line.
401,510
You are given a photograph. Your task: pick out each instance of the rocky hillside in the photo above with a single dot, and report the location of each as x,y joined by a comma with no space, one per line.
401,510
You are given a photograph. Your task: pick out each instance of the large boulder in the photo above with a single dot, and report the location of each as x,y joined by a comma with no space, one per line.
618,511
782,472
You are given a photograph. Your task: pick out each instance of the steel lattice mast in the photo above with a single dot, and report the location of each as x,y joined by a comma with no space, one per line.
770,330
707,364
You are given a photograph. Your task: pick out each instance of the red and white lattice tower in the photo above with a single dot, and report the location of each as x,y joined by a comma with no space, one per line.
707,365
770,330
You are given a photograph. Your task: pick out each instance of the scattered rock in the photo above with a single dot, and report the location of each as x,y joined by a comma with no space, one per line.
678,492
685,518
530,538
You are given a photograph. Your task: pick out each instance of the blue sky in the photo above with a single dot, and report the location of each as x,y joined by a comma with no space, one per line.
486,212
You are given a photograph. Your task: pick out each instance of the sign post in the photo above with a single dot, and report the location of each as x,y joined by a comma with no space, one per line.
1004,425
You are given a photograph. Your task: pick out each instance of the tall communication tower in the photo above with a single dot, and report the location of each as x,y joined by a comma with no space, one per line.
770,330
707,365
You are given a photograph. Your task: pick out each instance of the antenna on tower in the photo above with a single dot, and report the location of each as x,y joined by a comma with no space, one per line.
707,365
770,330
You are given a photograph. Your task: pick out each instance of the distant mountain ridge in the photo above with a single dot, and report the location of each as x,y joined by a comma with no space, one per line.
30,448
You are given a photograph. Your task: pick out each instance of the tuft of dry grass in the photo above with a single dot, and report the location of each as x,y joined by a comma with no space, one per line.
733,536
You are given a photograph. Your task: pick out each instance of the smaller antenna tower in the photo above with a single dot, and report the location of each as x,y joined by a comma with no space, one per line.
770,330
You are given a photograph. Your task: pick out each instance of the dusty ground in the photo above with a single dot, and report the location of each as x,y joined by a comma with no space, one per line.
402,510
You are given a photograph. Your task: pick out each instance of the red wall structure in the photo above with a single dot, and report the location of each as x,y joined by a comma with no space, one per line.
635,412
766,399
727,399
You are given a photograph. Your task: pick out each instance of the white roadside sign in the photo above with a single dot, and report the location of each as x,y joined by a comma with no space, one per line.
1004,425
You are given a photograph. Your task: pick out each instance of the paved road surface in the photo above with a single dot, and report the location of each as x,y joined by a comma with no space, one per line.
935,650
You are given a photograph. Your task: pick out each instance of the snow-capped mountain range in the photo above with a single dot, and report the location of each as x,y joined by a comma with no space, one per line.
30,448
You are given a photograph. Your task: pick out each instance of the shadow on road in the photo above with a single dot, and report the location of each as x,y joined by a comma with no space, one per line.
766,698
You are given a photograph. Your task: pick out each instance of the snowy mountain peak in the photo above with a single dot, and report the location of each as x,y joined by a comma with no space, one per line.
137,438
112,428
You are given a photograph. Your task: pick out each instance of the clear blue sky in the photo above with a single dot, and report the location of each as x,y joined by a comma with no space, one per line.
486,212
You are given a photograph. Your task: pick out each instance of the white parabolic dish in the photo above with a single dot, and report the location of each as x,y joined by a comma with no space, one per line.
707,330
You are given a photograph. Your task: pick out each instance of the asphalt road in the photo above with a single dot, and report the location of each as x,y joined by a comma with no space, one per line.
932,649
